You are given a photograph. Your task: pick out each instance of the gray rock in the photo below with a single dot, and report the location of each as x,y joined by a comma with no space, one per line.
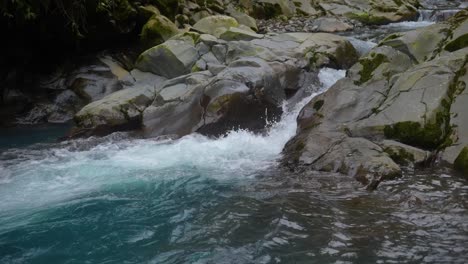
405,154
170,59
330,25
215,25
118,111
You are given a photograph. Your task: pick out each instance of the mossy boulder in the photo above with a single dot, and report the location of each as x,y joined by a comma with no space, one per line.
404,154
147,11
420,44
266,9
459,37
243,18
157,30
171,59
121,110
239,34
325,49
215,25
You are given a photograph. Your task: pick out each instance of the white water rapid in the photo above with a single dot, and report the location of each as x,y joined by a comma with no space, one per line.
38,178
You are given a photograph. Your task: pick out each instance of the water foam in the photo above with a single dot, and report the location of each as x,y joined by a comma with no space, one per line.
62,174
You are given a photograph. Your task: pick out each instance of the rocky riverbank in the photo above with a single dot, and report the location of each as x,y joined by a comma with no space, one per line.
216,66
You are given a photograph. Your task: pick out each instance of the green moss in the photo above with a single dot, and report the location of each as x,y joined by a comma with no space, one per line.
346,55
157,30
368,18
459,43
369,64
389,37
196,68
267,10
318,105
120,10
300,146
400,156
431,136
461,162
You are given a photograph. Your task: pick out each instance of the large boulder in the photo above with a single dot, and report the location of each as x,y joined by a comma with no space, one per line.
215,25
219,84
72,86
398,103
157,30
122,110
173,58
246,94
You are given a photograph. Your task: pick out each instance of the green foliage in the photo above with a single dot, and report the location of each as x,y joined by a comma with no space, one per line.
21,12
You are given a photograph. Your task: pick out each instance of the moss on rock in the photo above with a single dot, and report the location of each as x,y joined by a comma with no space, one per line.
369,64
461,162
157,30
431,136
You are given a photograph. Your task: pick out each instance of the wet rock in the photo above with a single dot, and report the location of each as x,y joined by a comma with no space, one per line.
119,111
461,162
404,154
402,94
216,85
245,94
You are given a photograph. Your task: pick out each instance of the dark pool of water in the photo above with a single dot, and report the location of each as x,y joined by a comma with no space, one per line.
26,135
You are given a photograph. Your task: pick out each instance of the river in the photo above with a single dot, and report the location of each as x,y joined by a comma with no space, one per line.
203,200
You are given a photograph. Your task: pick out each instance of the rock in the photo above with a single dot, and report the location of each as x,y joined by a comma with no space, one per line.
157,30
372,12
420,44
217,85
170,59
336,152
273,8
324,49
458,116
380,63
428,42
119,111
330,25
239,34
404,154
215,25
424,123
147,11
459,36
406,102
304,7
243,19
246,94
461,162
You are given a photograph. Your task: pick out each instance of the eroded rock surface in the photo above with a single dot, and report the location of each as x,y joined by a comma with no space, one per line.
408,89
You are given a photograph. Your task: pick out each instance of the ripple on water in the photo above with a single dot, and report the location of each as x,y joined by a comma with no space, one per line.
201,200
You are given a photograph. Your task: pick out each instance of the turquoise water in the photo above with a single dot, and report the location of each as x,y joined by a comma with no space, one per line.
26,135
202,200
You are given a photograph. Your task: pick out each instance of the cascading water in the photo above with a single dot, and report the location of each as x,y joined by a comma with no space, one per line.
202,200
